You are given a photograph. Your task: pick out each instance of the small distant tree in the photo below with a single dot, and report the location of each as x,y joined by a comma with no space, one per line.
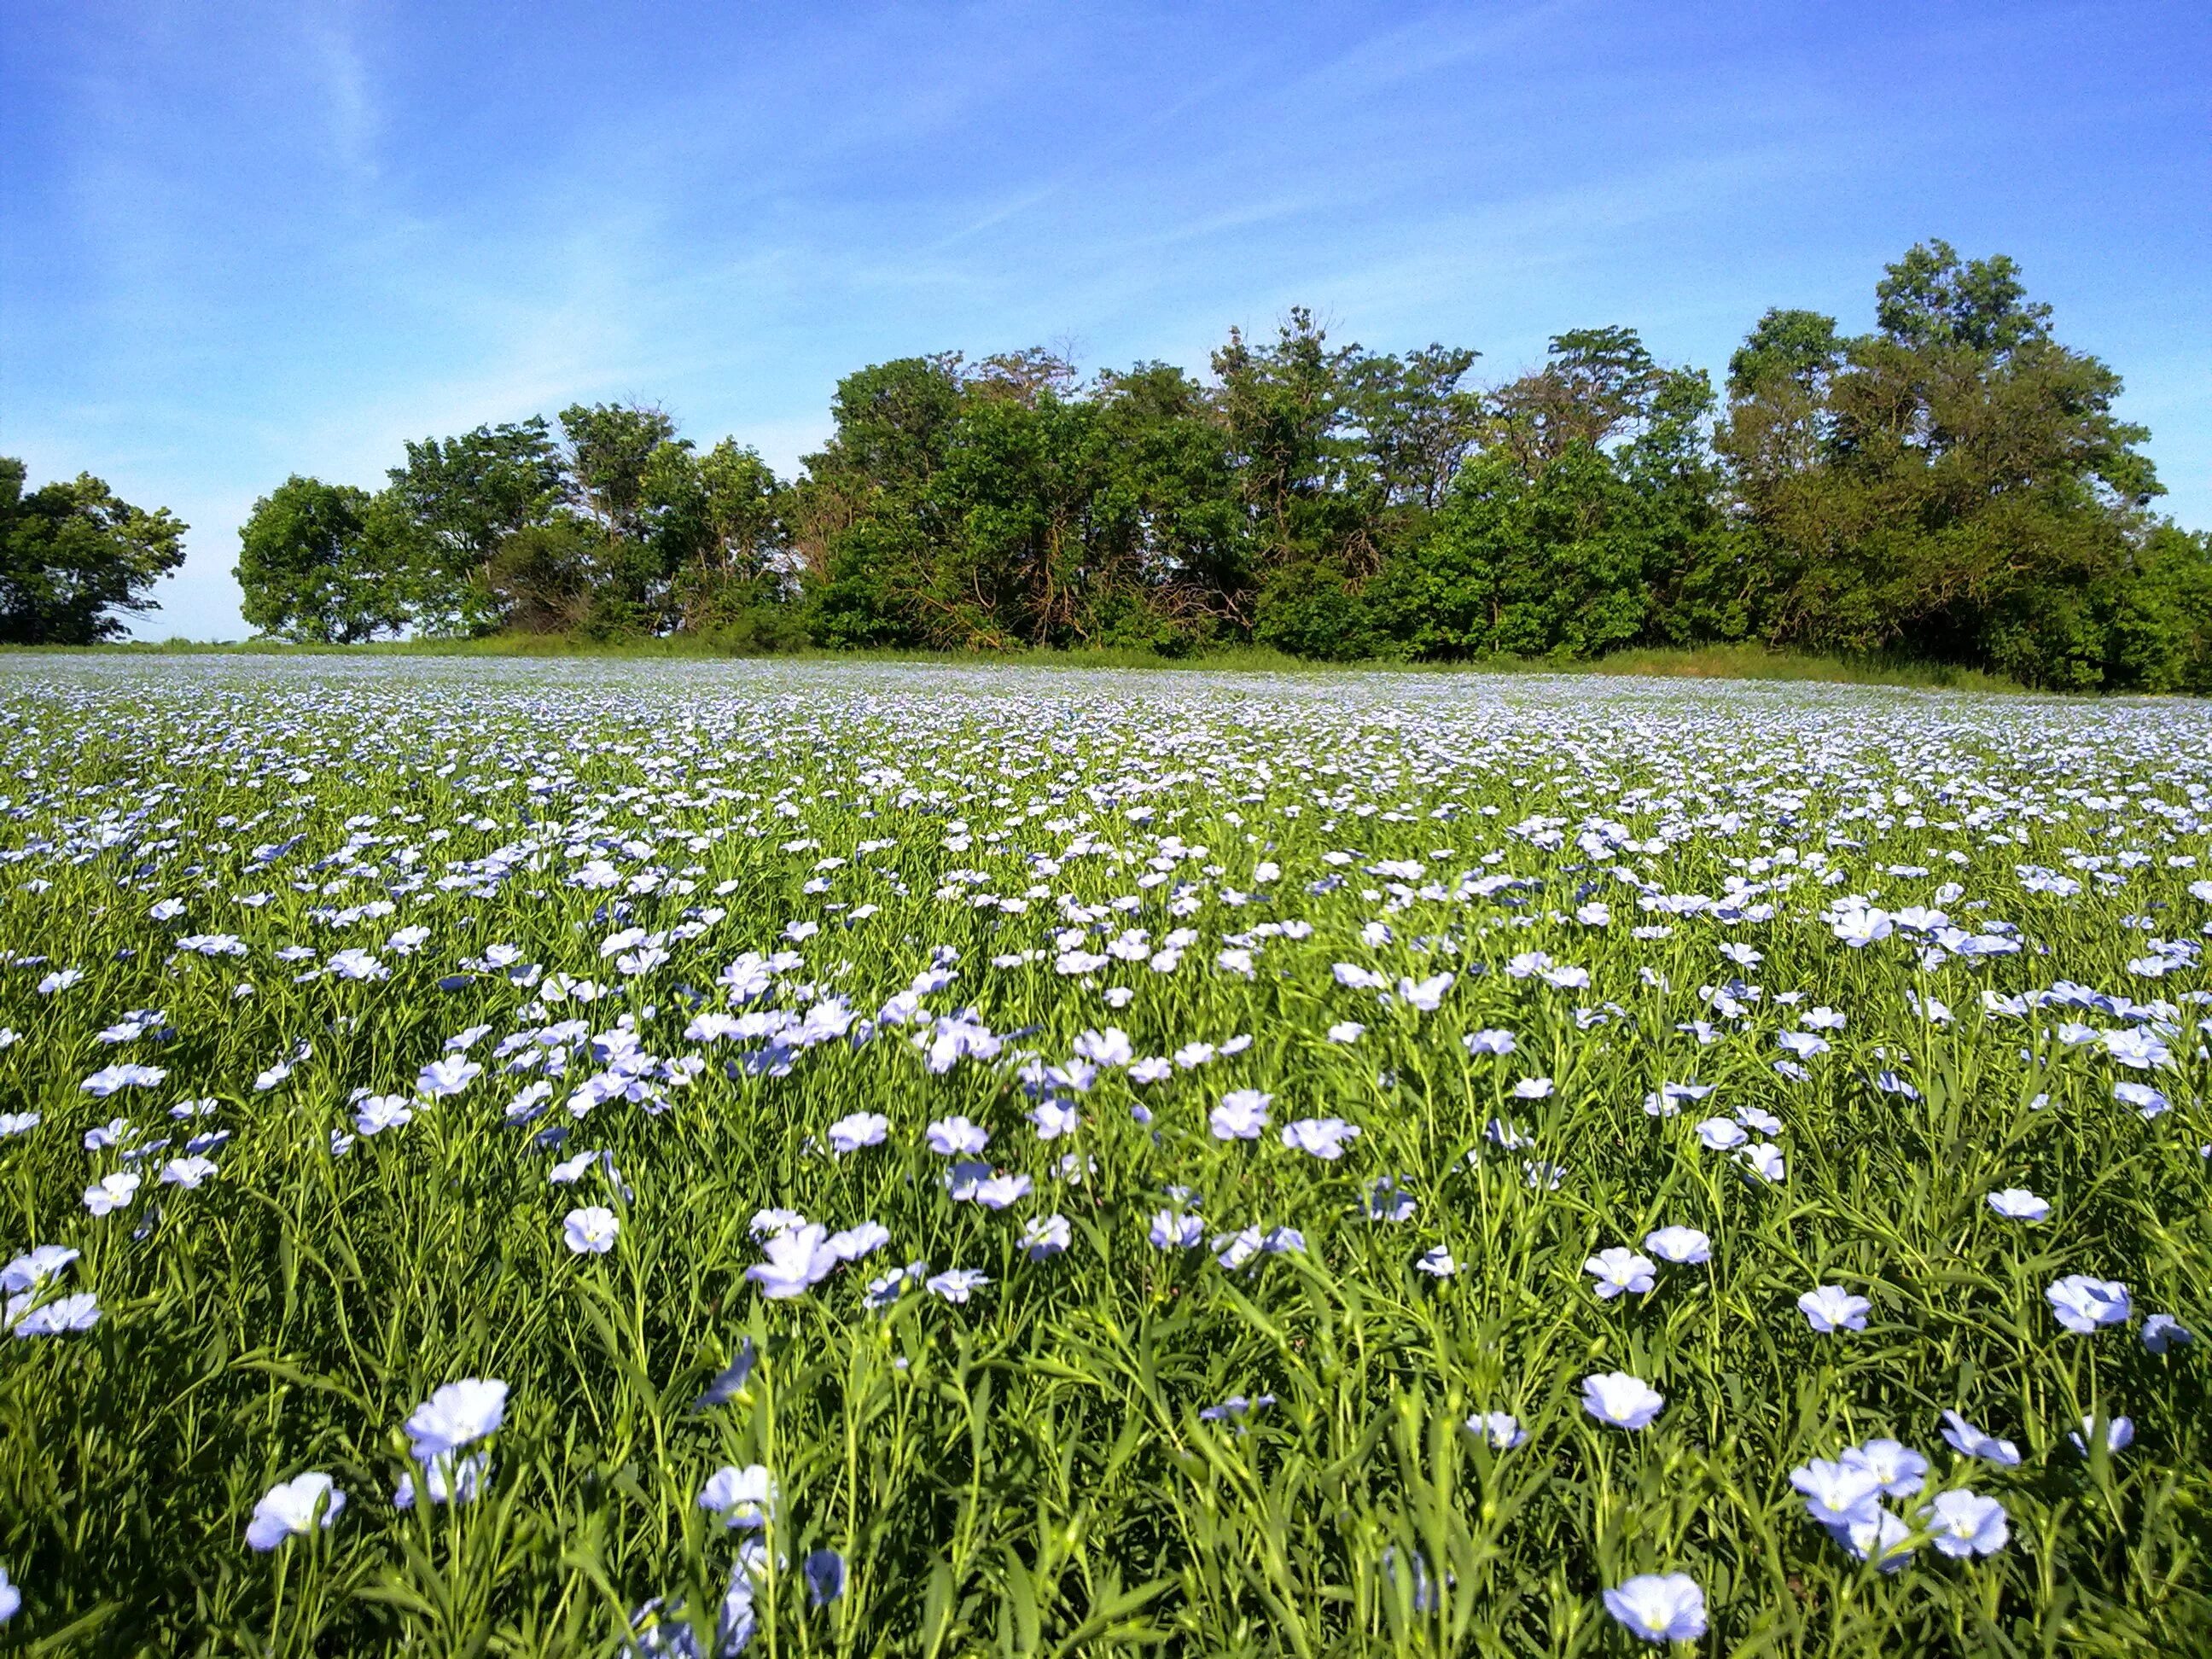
75,559
1956,483
313,565
462,498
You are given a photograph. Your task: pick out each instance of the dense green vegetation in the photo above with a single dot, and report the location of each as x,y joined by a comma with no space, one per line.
1953,488
75,555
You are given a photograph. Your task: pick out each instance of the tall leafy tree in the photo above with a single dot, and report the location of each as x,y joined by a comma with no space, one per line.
1192,555
1956,483
718,521
76,560
464,496
867,524
315,562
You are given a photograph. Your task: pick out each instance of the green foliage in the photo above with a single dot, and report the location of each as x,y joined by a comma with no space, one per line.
1955,487
466,495
1956,482
75,558
322,562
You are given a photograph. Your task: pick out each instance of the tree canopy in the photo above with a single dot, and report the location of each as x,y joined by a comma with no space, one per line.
1954,484
76,560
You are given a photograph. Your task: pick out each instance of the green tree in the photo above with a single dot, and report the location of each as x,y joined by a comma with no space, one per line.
310,568
543,576
866,528
75,559
463,497
1522,565
717,521
609,448
1956,484
1586,521
1596,386
1190,571
1416,418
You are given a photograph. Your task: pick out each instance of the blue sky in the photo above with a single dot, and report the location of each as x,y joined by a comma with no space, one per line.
245,241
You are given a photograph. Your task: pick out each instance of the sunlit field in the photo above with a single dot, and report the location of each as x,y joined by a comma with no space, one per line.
588,1157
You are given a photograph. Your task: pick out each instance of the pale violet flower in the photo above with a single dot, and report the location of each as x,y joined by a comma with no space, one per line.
1682,1245
448,1075
849,1134
1236,1409
1765,1160
1045,1236
64,1317
1838,1494
1969,1441
1621,1401
377,1113
824,1572
2083,1303
954,1137
293,1508
1501,1429
109,1079
1830,1307
1172,1231
1964,1523
2145,1099
2018,1204
1322,1137
447,1480
1241,1116
1721,1134
35,1267
1617,1270
456,1415
1055,1118
1756,1117
1000,1191
1884,1540
743,1498
2134,1047
2119,1435
111,1193
799,1259
1388,1198
1896,1467
957,1285
855,1243
731,1380
2162,1331
1109,1047
1659,1607
1437,1262
1425,995
590,1230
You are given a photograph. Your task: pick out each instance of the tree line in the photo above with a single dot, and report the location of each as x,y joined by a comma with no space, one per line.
1954,485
